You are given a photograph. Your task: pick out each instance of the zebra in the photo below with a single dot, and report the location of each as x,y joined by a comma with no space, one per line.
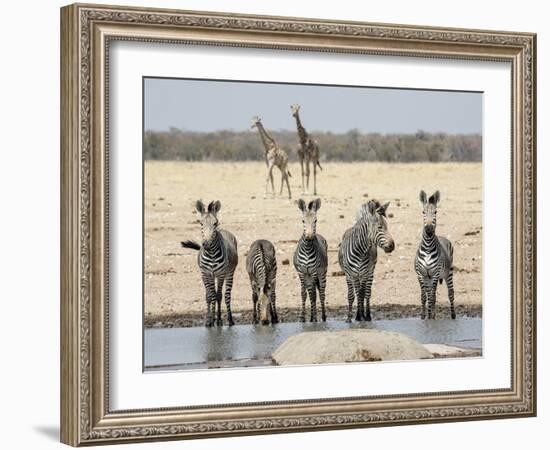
434,259
311,261
217,261
261,266
357,255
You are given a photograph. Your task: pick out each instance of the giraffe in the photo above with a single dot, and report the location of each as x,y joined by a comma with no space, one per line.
274,156
308,150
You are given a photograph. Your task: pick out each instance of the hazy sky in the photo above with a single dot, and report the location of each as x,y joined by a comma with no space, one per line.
196,105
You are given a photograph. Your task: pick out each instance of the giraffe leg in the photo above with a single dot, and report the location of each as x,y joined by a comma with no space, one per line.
228,287
307,177
302,166
304,297
451,291
269,177
288,186
282,183
351,298
314,178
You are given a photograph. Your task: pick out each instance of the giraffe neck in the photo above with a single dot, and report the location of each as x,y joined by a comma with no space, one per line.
301,130
267,140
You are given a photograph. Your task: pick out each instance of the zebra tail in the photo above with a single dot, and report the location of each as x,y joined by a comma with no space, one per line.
319,164
190,244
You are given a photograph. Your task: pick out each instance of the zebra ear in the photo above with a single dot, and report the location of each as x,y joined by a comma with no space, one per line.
315,205
214,207
423,197
434,199
301,205
382,209
200,206
371,207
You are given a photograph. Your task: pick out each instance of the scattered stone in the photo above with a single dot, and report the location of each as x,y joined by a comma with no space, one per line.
471,233
286,262
352,345
341,216
253,197
161,198
390,215
365,195
338,273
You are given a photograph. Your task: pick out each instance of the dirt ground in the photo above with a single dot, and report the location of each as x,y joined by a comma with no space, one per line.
174,294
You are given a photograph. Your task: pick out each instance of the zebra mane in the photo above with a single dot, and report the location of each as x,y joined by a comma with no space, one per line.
363,209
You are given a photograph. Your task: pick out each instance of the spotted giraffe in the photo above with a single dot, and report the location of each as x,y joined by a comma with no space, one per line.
308,150
274,156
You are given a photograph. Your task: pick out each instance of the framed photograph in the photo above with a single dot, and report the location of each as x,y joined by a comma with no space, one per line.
276,224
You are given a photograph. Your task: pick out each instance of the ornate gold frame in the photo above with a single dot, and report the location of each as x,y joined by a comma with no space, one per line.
86,31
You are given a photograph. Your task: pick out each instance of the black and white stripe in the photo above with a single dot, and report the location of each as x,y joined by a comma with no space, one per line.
357,255
311,261
261,265
434,259
217,261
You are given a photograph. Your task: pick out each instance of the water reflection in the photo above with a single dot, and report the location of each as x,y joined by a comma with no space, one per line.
251,345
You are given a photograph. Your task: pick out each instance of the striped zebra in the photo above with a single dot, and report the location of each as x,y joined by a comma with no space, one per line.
357,255
434,259
217,261
261,266
311,261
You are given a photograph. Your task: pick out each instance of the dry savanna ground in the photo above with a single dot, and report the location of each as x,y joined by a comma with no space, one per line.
173,288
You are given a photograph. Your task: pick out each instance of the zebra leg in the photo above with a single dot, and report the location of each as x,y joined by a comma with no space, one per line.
219,321
210,288
351,297
273,298
451,291
322,287
312,289
423,295
304,297
360,294
228,287
431,298
254,308
368,290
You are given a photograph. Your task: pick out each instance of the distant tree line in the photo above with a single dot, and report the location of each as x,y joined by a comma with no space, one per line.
176,144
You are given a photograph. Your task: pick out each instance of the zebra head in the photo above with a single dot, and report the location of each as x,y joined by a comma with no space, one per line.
295,109
309,217
255,121
209,219
429,211
375,214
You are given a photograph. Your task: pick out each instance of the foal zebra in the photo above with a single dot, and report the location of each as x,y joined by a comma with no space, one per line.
261,266
311,261
357,255
434,259
217,261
